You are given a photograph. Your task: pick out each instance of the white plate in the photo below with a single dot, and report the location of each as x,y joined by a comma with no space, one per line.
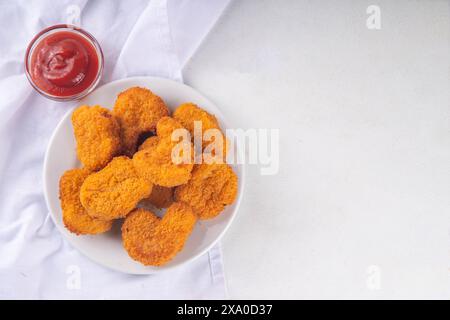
106,249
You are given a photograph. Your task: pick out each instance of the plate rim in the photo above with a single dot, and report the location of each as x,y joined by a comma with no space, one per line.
154,270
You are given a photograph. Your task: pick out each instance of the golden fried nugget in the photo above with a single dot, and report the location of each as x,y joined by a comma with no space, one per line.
138,111
188,113
149,143
114,191
75,217
211,188
166,126
155,163
155,241
97,134
161,197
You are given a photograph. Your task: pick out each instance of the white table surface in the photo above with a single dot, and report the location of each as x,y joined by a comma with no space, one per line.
363,190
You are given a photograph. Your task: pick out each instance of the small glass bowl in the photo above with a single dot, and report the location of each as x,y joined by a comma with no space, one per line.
67,28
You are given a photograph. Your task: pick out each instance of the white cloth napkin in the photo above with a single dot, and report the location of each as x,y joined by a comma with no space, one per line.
35,261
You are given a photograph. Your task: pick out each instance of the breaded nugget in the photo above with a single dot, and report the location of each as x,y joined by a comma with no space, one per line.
144,136
97,134
166,126
154,161
211,188
138,111
161,197
75,217
188,113
155,241
114,191
149,143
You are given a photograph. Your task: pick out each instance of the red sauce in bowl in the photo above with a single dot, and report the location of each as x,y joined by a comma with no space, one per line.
64,62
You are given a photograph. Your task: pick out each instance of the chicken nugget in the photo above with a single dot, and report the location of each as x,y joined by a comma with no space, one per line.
211,188
114,191
149,143
75,217
97,134
138,111
166,126
162,161
155,241
188,113
161,197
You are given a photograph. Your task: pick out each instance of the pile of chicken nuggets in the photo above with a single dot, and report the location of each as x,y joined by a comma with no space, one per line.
123,178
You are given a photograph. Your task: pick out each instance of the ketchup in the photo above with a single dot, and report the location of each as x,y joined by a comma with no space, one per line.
64,64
